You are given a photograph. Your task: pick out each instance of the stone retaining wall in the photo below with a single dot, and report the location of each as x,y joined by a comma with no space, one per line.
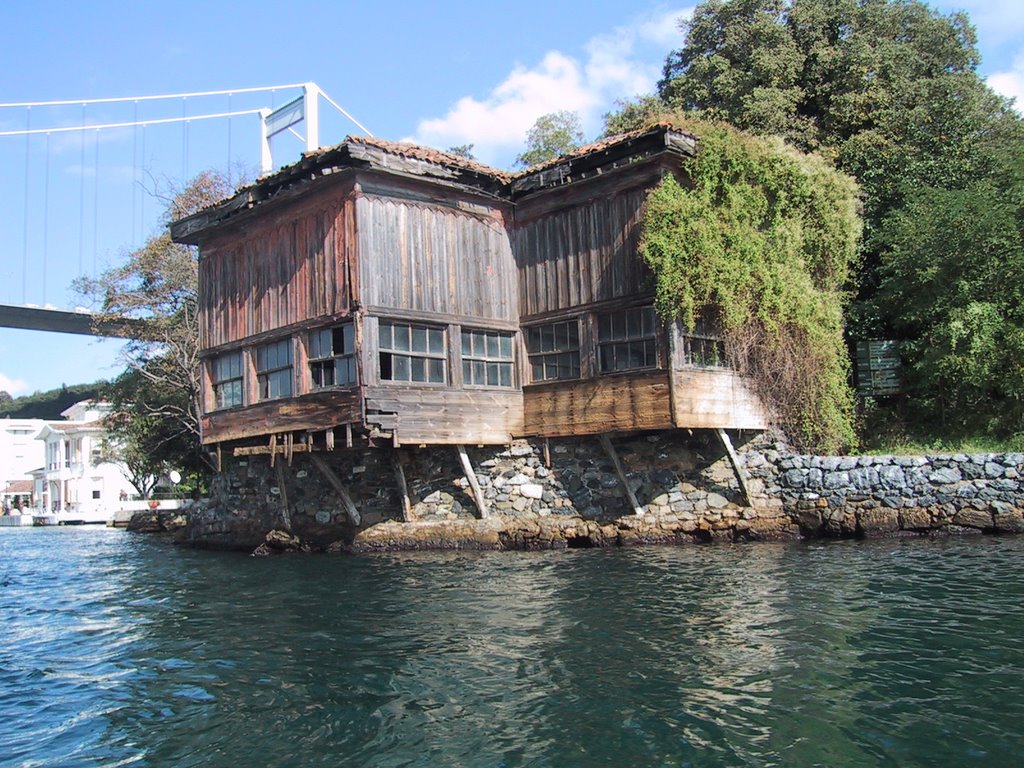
566,493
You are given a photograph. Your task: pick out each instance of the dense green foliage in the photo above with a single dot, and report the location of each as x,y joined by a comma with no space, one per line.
888,89
49,405
762,241
552,136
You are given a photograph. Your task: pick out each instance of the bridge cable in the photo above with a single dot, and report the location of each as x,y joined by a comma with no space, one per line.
124,99
24,253
81,198
46,215
95,202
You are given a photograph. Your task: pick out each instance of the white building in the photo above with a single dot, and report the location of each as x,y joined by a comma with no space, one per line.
75,481
20,452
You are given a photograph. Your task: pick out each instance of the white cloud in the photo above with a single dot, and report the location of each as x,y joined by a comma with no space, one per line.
1011,82
622,63
12,386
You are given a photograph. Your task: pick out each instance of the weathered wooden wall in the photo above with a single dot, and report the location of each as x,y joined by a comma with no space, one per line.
575,247
317,410
610,403
449,260
714,397
448,416
281,270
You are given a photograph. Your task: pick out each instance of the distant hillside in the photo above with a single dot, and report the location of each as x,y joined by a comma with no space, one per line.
48,405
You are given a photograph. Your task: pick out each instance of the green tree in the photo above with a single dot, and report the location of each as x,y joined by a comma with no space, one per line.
462,150
157,285
553,135
761,239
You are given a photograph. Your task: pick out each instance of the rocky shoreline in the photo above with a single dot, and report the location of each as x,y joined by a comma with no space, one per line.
567,493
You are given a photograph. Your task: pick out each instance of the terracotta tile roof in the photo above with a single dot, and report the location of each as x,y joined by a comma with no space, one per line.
18,486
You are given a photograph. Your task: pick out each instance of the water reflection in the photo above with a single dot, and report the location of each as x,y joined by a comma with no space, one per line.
117,650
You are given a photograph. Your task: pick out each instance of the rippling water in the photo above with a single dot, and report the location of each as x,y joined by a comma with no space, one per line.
116,649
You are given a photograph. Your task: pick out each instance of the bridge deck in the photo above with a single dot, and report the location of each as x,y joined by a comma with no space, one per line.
65,321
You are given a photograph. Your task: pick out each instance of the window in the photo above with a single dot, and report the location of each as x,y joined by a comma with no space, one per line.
332,361
554,350
703,347
411,352
95,494
487,359
627,340
274,369
226,375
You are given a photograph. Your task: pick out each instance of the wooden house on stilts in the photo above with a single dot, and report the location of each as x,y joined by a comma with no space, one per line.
378,294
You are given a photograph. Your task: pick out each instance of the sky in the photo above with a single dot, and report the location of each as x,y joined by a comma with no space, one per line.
441,74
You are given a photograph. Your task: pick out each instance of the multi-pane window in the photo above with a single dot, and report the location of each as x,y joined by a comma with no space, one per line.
703,347
554,350
627,340
332,360
226,375
487,359
274,369
410,352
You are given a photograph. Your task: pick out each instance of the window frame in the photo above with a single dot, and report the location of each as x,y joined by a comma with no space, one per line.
505,361
394,352
648,335
705,335
264,375
216,383
542,356
333,358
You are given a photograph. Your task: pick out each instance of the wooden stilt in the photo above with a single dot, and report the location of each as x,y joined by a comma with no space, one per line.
219,464
547,454
478,495
285,516
348,435
329,439
741,474
336,484
403,488
610,450
273,448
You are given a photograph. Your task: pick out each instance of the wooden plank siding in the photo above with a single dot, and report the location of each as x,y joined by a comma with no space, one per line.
714,398
583,252
433,259
439,415
317,410
612,403
278,272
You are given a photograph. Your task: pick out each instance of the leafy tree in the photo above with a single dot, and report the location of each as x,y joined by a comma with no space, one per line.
157,284
762,240
553,135
5,396
462,150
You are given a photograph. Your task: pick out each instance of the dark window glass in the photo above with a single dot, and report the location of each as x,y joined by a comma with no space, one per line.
703,346
627,340
410,352
226,375
554,350
274,369
332,361
487,358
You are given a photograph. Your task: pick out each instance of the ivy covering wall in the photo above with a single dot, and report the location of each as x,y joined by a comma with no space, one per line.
761,239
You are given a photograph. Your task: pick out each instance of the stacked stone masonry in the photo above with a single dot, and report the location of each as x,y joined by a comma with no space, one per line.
566,493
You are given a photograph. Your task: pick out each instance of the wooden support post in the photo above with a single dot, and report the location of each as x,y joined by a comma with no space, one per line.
610,450
329,439
273,448
403,488
219,464
478,495
289,443
741,474
348,435
336,484
547,454
285,516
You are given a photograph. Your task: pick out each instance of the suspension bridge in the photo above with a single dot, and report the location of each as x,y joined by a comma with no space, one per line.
117,152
